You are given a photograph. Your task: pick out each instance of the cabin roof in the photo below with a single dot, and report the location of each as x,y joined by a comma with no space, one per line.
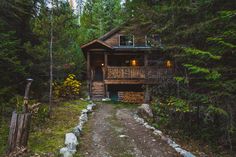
110,33
96,43
100,43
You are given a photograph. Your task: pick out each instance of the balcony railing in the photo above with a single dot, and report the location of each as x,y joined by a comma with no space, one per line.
137,72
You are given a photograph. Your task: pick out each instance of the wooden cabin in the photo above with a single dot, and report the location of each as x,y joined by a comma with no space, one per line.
123,65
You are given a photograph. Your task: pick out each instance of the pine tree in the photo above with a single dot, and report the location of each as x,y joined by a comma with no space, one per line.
99,17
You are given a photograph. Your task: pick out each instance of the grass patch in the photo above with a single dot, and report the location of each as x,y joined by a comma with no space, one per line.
49,136
120,105
4,131
83,141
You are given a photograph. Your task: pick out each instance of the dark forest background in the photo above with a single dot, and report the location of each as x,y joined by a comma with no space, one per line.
200,36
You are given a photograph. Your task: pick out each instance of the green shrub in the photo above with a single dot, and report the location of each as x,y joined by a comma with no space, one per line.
69,89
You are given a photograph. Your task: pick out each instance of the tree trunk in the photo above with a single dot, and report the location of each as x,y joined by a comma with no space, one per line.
51,62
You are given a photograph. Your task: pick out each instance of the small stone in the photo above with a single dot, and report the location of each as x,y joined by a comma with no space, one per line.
89,108
83,117
76,131
66,152
106,99
157,132
122,136
84,111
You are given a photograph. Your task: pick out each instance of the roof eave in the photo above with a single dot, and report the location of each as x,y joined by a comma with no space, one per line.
96,41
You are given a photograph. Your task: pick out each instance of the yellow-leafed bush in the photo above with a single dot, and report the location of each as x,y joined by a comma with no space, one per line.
69,89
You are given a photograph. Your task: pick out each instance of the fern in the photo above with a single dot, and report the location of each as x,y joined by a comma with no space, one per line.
201,53
196,69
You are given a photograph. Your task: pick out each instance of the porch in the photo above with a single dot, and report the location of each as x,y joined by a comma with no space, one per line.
125,68
130,67
136,72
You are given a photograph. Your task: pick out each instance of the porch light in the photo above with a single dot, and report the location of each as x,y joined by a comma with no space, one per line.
133,62
169,64
102,64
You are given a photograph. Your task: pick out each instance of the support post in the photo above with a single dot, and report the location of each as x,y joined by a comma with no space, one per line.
105,65
88,74
146,65
147,94
105,73
145,60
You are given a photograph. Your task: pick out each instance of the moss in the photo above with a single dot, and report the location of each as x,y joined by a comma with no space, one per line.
49,137
120,105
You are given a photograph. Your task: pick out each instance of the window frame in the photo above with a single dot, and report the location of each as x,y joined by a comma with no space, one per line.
126,45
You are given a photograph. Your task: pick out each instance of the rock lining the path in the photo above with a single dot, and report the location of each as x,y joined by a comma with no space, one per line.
71,139
157,132
145,111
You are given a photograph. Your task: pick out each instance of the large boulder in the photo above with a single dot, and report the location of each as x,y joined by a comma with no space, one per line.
71,142
145,112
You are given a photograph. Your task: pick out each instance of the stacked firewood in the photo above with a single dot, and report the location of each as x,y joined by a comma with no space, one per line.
131,97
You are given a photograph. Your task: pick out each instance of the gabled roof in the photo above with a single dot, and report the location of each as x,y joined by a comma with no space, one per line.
94,42
110,33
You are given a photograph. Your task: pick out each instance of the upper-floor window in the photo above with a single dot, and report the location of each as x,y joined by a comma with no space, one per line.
153,40
126,40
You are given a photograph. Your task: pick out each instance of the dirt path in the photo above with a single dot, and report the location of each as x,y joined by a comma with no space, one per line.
113,132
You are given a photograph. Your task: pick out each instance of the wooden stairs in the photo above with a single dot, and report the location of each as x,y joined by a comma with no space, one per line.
97,90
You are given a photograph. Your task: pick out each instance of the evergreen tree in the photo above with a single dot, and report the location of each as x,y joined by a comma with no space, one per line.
99,17
66,52
200,37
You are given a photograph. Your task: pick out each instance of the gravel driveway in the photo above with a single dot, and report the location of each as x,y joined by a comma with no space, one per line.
113,132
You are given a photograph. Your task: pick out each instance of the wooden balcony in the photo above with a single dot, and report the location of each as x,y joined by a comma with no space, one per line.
140,73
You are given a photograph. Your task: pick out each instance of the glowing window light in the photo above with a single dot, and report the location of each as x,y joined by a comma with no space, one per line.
168,64
133,62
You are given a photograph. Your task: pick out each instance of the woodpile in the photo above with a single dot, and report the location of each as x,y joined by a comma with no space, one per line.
131,97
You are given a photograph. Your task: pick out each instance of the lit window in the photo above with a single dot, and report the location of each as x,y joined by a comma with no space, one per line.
133,62
169,64
126,40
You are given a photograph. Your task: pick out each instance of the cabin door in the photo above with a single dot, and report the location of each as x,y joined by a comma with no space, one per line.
98,74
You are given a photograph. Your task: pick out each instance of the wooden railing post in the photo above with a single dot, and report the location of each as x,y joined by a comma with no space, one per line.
105,65
146,65
26,97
